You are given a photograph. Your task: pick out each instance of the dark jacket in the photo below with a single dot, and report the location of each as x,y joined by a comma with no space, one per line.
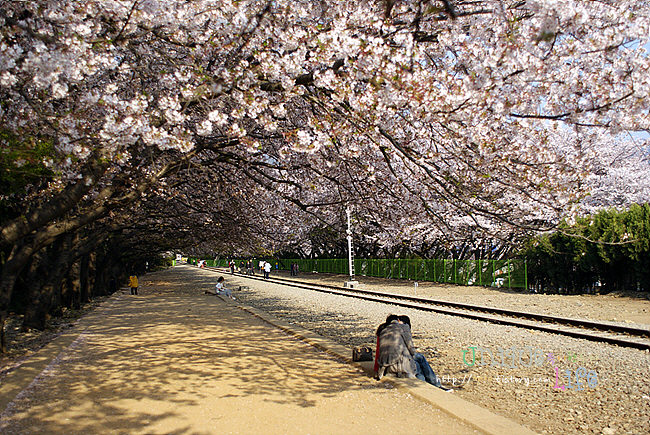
396,349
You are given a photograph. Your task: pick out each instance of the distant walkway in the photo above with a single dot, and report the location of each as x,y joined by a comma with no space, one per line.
193,364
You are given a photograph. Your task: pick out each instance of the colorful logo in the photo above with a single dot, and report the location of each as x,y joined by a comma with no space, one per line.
527,356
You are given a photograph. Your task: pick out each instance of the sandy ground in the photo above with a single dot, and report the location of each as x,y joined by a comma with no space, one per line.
164,363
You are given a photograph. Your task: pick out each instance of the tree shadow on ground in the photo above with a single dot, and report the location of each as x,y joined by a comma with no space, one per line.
147,360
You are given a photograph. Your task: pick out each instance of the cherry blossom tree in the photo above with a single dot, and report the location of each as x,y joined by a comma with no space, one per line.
430,117
620,174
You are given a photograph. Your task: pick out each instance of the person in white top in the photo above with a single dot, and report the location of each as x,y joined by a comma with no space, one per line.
220,289
267,269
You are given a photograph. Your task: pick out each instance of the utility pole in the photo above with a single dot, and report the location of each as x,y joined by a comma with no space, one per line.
351,283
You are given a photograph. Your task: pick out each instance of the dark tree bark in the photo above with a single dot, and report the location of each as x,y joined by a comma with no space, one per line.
73,282
34,280
108,269
13,231
19,257
84,275
45,294
42,226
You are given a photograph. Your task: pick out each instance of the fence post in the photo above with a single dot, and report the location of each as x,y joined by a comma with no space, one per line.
446,271
466,280
493,271
434,270
444,268
526,274
509,286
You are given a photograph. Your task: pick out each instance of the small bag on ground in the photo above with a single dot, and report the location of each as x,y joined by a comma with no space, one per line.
363,353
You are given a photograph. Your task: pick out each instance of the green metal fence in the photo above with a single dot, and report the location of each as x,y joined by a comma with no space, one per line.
493,273
211,263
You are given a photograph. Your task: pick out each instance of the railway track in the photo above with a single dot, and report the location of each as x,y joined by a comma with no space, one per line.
620,335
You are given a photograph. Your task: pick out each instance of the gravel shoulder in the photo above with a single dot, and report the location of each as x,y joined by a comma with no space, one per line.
630,308
528,390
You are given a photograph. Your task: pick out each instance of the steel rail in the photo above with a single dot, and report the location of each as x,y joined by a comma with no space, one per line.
546,323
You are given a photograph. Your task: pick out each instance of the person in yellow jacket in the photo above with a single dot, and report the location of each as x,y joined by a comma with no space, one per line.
133,283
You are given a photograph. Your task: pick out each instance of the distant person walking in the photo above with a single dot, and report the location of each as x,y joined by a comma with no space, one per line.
267,269
133,283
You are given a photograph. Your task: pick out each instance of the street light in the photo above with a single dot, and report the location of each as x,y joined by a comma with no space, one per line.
351,283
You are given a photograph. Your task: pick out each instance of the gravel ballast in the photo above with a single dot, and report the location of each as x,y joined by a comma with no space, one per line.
523,380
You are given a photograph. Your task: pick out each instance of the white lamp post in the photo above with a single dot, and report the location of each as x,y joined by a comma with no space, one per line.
351,283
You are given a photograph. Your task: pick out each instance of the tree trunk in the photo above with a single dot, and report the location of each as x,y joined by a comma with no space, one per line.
91,272
45,293
73,280
33,318
37,311
102,276
109,274
84,285
13,231
10,270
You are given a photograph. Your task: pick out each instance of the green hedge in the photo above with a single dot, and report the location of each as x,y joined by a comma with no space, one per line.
601,253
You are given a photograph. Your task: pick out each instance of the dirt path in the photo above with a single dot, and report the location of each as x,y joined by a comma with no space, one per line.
194,364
